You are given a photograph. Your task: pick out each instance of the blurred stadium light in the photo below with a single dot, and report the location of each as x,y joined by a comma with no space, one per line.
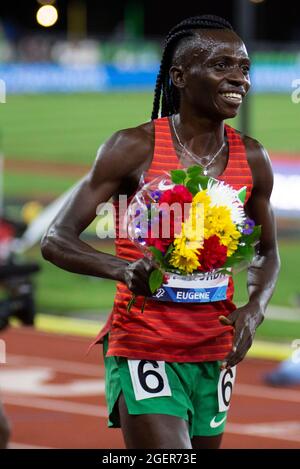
47,15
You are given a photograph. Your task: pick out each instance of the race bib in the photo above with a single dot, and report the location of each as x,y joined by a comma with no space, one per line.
225,386
149,379
204,288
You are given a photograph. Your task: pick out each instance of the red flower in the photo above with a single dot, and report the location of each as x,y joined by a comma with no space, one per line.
7,232
158,243
212,255
179,194
166,278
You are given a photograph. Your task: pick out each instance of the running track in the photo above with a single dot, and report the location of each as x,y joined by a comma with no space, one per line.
54,396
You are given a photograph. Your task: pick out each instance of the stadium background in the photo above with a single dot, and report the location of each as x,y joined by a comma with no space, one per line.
70,86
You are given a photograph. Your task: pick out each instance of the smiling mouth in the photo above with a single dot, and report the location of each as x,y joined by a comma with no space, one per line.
236,98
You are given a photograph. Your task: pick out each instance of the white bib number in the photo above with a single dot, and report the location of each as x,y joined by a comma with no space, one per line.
149,379
225,386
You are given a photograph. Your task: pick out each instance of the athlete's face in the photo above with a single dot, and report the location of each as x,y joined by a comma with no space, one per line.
213,75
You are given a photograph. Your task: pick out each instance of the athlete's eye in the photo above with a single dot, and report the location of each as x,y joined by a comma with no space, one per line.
245,69
220,65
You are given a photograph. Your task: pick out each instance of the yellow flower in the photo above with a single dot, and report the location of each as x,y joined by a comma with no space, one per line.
185,260
202,198
185,255
193,230
218,221
231,242
193,227
204,221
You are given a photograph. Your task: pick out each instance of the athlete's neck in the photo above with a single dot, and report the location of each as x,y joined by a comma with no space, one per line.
197,131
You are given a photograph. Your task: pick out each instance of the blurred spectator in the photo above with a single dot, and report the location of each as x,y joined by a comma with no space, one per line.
34,49
15,278
6,48
287,373
84,52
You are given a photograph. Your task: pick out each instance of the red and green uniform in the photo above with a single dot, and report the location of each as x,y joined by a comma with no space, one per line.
173,332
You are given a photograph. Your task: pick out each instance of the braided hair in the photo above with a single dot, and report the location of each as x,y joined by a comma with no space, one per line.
166,96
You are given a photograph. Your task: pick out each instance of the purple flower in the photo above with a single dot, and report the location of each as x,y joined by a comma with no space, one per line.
248,226
155,195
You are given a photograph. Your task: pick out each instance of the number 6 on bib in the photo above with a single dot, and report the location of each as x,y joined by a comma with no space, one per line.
225,385
149,379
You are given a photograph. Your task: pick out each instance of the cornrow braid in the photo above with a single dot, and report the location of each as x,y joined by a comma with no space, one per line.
165,95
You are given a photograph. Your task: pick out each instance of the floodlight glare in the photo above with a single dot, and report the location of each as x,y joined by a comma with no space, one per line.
47,15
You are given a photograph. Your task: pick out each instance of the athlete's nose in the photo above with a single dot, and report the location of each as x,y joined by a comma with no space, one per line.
237,77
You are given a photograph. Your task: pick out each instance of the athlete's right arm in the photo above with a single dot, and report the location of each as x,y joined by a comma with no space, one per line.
117,167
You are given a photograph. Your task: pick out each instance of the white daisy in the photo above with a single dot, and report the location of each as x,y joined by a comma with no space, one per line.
222,194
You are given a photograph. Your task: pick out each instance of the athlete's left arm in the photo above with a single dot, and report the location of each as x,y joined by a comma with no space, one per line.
263,270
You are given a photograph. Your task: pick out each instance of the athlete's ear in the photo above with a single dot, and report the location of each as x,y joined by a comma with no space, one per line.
177,76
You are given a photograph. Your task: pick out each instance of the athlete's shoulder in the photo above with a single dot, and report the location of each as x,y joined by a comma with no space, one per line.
259,161
128,146
142,134
255,150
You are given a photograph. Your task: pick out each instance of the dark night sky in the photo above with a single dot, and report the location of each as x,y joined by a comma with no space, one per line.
276,20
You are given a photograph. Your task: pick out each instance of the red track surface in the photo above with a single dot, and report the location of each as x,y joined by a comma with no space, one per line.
54,397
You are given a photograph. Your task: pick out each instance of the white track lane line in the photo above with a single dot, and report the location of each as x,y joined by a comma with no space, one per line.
14,445
283,394
240,389
56,405
59,365
273,430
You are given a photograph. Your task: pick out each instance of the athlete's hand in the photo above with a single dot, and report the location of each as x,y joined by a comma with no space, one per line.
136,276
245,321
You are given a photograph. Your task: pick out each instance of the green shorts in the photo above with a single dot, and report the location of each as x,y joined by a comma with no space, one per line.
191,391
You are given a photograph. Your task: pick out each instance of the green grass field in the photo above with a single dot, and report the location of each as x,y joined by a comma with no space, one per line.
69,129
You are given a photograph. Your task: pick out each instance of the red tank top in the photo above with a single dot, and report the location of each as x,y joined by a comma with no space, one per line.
174,332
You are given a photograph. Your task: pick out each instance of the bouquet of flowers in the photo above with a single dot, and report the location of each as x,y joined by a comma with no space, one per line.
196,229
